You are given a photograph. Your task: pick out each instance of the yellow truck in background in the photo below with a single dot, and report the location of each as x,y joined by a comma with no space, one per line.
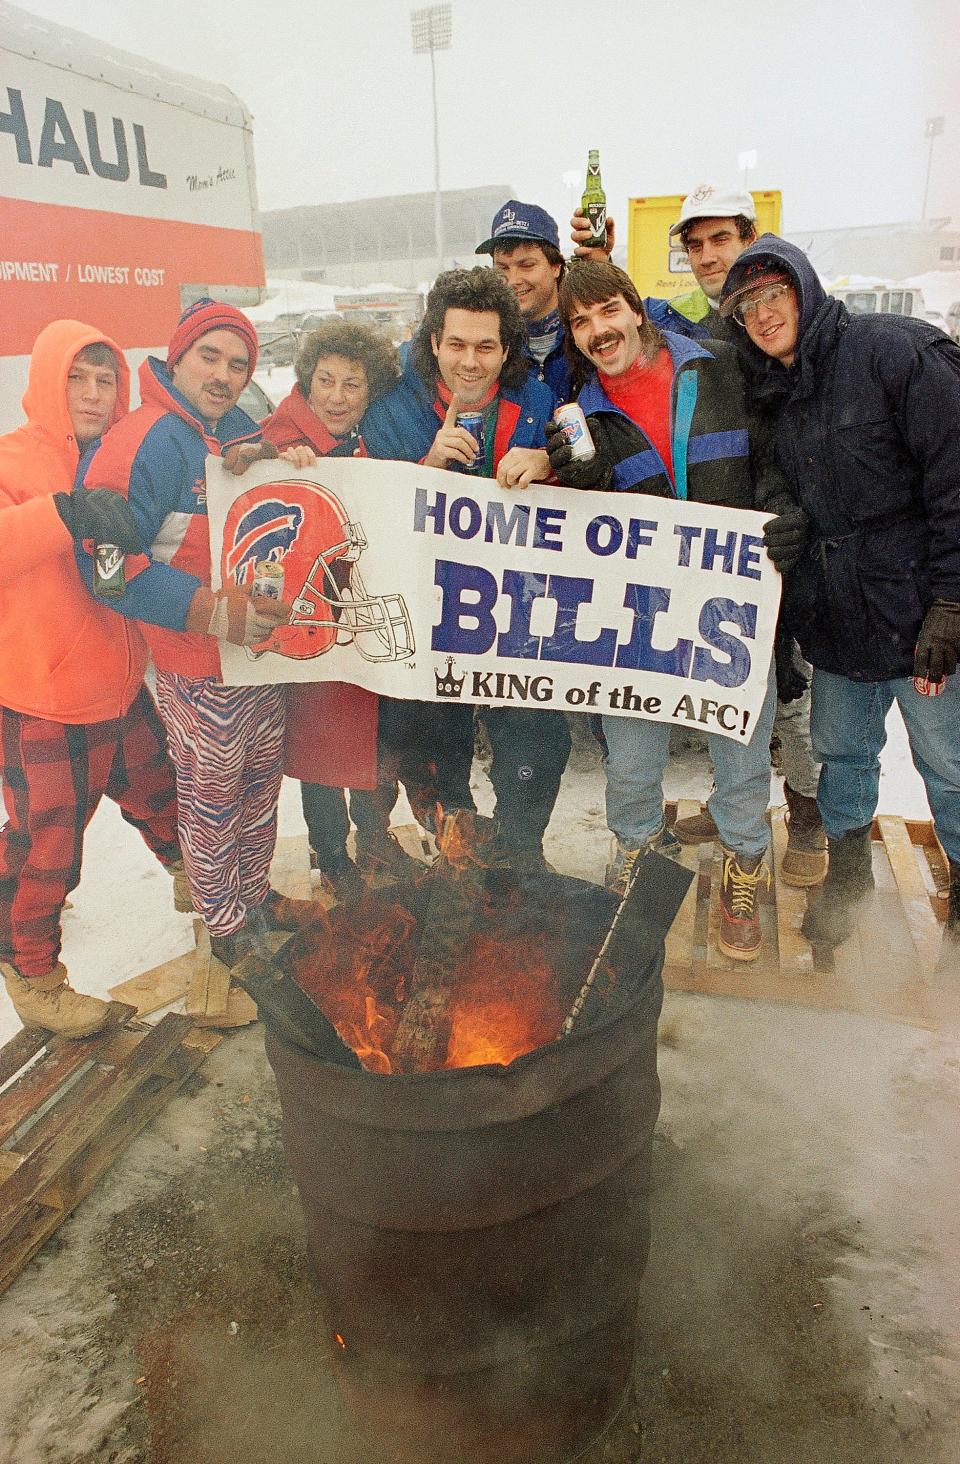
658,266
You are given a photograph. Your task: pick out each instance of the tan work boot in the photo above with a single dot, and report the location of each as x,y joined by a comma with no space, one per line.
49,1001
740,936
182,898
805,859
699,828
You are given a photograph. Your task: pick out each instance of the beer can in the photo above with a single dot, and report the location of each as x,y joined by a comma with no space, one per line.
472,422
268,579
108,574
576,433
926,687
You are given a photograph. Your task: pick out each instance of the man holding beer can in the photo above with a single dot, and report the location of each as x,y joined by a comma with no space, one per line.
706,450
226,741
468,357
77,722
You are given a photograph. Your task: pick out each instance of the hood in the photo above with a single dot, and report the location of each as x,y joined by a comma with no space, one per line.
295,421
820,315
158,390
45,399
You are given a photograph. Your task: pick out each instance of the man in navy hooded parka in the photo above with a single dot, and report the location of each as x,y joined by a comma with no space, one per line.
865,411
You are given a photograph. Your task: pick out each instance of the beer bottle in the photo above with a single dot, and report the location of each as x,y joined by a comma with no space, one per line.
594,203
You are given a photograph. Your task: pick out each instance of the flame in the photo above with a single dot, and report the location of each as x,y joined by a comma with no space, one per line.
504,998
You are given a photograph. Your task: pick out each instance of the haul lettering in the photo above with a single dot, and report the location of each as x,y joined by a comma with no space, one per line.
471,594
58,142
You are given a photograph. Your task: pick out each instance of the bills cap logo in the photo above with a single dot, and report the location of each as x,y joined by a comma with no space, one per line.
266,531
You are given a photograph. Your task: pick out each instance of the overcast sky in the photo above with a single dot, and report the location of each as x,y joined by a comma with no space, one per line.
832,95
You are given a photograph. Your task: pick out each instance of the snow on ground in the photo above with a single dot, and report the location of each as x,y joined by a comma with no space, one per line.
941,288
123,922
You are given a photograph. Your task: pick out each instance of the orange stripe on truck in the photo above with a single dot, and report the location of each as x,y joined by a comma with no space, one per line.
119,272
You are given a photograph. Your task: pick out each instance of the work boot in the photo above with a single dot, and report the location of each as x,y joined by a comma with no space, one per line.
621,868
182,898
381,855
805,858
233,948
279,912
740,936
340,878
49,1001
699,828
849,878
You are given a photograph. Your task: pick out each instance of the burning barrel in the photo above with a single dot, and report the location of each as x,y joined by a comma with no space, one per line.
479,1233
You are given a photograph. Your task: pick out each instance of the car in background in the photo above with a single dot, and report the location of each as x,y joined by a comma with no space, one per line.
865,298
953,320
255,402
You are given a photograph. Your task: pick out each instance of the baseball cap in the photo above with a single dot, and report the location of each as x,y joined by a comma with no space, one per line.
710,201
763,270
520,221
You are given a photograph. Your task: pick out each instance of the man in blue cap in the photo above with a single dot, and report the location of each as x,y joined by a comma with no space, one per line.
525,245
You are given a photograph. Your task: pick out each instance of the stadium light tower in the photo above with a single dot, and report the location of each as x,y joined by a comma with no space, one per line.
933,127
432,30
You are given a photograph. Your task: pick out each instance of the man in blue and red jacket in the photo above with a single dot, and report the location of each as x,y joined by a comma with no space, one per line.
226,742
468,355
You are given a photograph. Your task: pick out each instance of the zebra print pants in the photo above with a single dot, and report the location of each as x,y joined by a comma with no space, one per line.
226,743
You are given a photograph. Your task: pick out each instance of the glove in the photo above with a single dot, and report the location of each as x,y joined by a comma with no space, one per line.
101,515
938,644
575,473
785,536
234,615
241,456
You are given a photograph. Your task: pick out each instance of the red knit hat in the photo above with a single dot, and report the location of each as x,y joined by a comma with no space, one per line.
204,316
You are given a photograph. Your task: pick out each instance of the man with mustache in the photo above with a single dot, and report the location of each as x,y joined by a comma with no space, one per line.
469,355
669,418
226,742
715,226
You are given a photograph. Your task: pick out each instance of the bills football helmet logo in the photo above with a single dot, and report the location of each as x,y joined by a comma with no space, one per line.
304,529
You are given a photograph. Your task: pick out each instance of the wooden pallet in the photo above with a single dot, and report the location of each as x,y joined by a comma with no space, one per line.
69,1114
886,968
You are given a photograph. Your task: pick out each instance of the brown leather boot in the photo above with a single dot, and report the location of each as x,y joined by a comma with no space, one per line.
805,860
49,1001
699,828
740,935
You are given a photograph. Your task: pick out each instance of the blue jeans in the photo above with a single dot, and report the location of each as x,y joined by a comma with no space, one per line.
848,730
637,755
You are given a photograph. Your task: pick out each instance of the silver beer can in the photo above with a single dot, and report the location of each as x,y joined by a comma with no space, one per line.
573,425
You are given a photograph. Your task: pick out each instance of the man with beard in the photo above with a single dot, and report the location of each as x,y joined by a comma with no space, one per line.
469,355
715,226
705,451
864,411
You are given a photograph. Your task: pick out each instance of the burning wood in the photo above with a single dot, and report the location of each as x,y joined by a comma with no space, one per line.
423,1035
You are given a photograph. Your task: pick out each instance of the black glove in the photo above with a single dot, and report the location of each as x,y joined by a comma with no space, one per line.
576,473
938,644
101,515
785,536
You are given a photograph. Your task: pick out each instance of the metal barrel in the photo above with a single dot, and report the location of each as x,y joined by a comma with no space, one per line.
479,1236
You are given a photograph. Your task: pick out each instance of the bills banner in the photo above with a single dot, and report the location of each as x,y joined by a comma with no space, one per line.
432,585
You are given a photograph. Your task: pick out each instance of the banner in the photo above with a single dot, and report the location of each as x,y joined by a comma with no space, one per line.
434,585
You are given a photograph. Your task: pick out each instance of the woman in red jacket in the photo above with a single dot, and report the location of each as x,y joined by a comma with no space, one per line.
332,727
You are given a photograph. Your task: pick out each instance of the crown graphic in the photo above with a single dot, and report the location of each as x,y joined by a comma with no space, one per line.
448,685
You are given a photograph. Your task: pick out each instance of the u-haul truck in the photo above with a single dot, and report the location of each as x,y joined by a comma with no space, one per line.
126,191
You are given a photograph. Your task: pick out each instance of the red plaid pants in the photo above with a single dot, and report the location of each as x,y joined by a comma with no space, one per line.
54,776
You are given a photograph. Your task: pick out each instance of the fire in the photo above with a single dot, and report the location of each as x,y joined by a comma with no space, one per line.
503,992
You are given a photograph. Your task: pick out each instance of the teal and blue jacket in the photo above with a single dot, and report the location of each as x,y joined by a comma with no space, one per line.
717,441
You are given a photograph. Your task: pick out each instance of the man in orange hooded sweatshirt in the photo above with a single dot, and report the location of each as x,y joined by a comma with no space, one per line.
76,721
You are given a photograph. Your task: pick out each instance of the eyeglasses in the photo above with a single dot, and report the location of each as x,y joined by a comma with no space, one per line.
747,309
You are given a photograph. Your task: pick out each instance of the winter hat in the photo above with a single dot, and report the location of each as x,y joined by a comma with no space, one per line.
764,270
711,201
204,316
520,221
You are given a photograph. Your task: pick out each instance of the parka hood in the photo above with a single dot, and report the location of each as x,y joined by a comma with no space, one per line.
820,315
45,399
